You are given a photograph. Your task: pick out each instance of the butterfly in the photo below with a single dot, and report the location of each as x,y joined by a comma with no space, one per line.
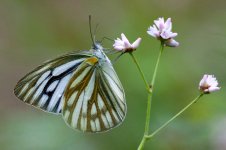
81,86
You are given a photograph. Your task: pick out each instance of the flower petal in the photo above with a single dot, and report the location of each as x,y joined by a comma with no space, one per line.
119,48
124,39
171,43
213,89
173,35
153,31
136,43
203,80
160,23
165,34
168,24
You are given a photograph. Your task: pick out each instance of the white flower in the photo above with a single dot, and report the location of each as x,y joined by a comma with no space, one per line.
162,30
124,45
208,84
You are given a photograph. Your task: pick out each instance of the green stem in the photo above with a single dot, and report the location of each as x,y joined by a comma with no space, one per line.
141,146
140,71
157,64
149,97
148,114
150,91
174,117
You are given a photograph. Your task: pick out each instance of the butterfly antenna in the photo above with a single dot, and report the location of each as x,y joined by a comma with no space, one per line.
114,61
95,31
90,30
110,51
107,38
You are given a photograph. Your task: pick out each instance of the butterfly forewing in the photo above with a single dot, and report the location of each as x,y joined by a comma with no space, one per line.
83,86
94,101
45,85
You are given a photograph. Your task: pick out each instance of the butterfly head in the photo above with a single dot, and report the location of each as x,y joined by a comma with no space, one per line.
97,46
98,51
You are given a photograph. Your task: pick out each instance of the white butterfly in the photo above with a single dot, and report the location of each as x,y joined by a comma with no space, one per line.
82,86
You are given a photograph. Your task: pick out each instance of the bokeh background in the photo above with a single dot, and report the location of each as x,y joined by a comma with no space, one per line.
32,32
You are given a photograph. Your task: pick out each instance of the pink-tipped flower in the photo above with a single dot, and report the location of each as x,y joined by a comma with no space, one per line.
124,45
208,84
162,30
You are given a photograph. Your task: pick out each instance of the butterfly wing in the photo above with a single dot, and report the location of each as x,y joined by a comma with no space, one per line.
45,85
94,101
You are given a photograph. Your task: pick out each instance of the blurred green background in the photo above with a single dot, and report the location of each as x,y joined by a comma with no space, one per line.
32,32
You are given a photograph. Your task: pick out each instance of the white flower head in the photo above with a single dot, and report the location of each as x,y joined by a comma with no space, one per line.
124,45
162,30
208,84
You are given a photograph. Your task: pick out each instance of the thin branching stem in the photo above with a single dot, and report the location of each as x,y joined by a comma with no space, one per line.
150,93
140,71
174,117
149,102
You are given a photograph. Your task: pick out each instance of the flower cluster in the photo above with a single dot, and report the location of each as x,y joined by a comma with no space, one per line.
124,45
162,30
208,84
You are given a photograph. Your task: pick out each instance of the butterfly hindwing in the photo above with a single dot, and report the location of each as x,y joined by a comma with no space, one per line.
45,85
82,86
94,101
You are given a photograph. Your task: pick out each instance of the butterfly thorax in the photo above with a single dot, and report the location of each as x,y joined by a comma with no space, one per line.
98,51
